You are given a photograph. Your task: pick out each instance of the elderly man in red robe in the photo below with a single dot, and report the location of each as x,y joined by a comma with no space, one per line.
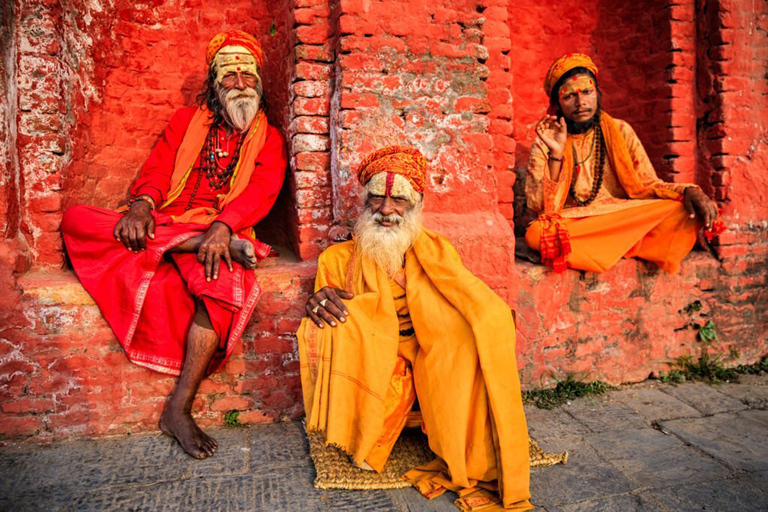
172,272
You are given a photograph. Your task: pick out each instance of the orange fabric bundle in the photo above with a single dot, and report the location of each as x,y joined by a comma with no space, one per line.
234,37
563,65
408,162
465,370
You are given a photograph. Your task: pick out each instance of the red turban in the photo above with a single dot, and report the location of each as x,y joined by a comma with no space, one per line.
563,65
234,37
408,162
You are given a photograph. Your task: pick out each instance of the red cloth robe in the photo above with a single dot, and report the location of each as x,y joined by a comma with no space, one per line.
149,298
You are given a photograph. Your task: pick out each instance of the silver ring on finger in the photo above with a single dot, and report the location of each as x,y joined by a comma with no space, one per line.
322,302
315,310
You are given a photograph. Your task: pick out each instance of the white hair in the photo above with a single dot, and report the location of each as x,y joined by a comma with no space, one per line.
386,245
240,106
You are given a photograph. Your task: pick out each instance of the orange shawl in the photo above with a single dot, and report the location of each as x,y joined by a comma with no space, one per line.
555,241
186,156
465,371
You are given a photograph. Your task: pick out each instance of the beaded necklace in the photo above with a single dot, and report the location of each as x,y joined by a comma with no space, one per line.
598,148
216,174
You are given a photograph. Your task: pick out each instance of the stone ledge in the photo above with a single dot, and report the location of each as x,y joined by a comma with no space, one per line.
624,324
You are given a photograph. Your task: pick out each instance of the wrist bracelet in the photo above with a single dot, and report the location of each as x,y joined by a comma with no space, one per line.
550,157
144,197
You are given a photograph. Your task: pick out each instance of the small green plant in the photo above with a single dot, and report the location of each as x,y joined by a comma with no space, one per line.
565,390
759,368
675,376
707,332
231,420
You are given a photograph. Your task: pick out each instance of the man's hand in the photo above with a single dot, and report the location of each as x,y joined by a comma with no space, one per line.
214,248
135,226
697,202
325,304
554,133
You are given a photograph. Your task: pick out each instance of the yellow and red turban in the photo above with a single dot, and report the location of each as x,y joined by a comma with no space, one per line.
400,160
563,65
234,38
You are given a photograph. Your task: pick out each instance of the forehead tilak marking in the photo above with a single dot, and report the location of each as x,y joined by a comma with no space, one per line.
390,183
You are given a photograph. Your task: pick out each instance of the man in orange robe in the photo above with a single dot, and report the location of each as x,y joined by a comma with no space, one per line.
154,268
395,316
594,188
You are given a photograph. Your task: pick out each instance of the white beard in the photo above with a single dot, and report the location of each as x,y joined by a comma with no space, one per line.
240,106
386,246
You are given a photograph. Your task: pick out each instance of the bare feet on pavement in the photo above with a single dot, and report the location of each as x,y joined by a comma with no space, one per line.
193,440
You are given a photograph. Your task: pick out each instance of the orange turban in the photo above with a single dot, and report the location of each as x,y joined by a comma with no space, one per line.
237,38
405,161
563,65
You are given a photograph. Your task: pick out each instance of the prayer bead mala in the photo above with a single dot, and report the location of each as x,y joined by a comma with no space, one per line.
598,149
217,176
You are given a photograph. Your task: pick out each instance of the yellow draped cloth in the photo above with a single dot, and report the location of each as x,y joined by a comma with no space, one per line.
635,214
465,372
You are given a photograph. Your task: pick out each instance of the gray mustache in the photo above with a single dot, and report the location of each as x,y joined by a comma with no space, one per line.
392,217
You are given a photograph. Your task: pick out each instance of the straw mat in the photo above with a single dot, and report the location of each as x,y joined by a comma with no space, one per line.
335,470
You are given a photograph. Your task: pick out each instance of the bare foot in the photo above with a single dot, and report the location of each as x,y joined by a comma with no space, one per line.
242,252
193,440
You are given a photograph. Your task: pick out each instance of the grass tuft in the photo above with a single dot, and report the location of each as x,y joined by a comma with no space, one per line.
710,369
231,420
565,390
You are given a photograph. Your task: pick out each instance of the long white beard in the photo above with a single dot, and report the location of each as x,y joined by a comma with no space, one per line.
240,106
386,246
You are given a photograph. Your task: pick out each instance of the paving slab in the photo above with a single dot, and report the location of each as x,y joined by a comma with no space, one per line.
290,489
738,439
94,463
621,503
411,500
585,476
550,423
603,414
705,398
758,479
278,445
654,405
353,501
721,495
751,390
652,459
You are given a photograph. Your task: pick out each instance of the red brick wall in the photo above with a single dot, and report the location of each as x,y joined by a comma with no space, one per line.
416,74
460,80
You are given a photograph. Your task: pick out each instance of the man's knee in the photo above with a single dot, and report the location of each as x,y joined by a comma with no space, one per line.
533,235
72,218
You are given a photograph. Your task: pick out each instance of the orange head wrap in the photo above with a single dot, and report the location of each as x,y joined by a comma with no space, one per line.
563,65
234,38
405,161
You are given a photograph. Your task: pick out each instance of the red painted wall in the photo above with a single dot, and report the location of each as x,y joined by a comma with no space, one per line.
89,85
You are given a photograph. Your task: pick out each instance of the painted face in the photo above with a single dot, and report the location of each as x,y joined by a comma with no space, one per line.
236,68
389,194
578,98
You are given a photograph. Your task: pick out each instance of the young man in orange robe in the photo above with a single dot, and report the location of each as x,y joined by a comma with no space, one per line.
594,188
156,269
396,315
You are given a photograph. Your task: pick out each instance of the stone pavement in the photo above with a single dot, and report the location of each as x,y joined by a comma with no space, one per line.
648,447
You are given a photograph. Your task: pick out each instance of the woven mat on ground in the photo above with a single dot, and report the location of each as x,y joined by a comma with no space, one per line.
335,470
